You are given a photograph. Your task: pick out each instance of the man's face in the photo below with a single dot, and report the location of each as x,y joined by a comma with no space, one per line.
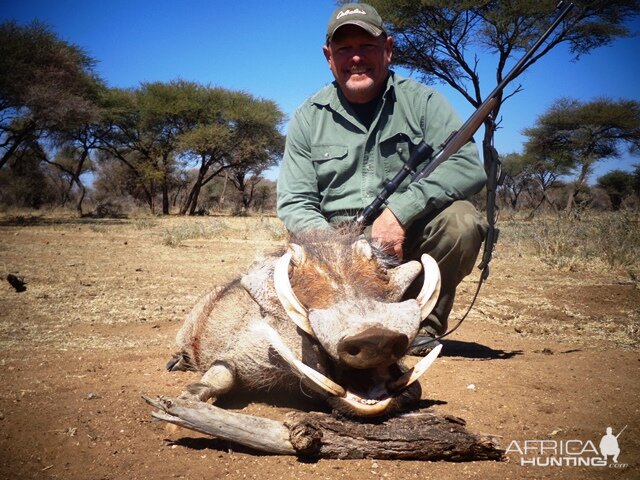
359,62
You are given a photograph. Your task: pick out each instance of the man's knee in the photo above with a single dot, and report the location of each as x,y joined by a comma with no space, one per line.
458,229
462,223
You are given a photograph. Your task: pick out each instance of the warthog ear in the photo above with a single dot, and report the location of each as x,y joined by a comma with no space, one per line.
430,291
298,255
400,278
282,284
363,248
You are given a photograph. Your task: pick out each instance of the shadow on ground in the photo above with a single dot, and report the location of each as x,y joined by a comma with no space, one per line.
476,351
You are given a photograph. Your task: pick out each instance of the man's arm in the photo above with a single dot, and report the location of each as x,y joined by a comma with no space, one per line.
459,177
298,199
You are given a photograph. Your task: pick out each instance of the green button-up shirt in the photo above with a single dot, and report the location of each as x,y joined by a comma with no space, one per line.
334,166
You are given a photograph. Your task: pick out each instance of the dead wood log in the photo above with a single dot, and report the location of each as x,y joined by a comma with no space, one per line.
416,436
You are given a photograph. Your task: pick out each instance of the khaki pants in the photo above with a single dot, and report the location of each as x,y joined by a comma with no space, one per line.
453,237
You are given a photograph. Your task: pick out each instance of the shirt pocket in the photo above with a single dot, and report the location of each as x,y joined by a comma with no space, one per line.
332,166
395,151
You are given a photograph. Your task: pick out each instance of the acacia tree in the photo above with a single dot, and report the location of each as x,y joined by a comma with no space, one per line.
46,86
441,40
240,136
546,170
49,96
579,134
142,128
518,178
160,129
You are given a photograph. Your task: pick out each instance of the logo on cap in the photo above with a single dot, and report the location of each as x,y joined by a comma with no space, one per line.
350,12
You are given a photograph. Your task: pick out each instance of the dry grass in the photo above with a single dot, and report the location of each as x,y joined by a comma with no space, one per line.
91,282
242,228
605,240
103,273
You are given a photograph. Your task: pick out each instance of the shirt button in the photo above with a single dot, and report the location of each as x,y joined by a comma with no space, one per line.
399,149
326,154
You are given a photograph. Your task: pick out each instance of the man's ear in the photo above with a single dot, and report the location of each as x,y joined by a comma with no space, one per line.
388,48
327,53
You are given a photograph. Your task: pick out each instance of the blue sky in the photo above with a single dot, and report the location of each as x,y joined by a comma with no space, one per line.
273,50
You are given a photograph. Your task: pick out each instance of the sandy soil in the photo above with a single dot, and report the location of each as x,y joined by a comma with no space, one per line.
546,355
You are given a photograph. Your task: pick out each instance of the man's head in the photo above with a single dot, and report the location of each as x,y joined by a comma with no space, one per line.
359,51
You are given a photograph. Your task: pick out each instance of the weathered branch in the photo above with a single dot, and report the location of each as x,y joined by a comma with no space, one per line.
258,433
416,436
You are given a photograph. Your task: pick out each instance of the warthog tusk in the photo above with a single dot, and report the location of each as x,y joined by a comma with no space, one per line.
417,371
430,290
322,382
288,299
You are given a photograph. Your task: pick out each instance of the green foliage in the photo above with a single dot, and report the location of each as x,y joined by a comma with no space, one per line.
50,78
587,131
46,85
160,129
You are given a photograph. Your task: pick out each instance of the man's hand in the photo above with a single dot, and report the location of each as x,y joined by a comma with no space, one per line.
387,230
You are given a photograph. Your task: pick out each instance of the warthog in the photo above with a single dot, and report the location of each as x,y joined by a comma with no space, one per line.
327,313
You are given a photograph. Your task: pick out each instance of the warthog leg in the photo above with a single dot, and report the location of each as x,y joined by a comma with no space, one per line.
218,380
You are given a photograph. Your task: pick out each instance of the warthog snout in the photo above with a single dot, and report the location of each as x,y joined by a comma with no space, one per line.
374,347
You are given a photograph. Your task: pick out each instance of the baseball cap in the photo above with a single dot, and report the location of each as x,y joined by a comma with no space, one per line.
359,14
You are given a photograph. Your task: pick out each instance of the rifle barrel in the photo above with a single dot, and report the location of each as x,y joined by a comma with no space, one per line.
457,139
471,126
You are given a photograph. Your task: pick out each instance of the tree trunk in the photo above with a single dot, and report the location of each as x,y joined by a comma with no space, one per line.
166,176
416,436
83,192
193,196
585,169
76,178
28,130
224,190
192,199
165,195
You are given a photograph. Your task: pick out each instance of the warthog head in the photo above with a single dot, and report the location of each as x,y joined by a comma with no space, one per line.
348,299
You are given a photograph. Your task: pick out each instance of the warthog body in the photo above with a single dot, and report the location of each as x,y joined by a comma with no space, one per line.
328,313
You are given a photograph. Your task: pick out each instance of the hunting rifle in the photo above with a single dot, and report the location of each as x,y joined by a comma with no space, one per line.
450,146
457,138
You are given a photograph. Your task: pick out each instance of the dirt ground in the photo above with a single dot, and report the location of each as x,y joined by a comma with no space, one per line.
547,354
